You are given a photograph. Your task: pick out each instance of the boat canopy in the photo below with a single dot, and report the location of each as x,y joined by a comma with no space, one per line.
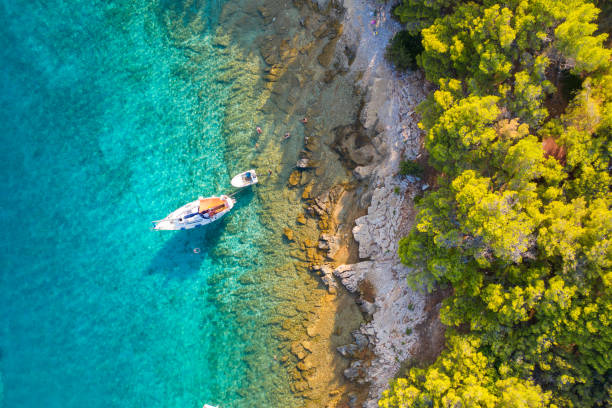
210,203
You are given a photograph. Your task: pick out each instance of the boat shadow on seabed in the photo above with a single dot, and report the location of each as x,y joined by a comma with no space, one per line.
182,255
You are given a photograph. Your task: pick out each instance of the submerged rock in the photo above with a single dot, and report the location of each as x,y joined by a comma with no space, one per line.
304,365
311,144
222,40
327,53
306,192
322,30
299,386
294,178
307,345
306,163
288,233
301,219
298,351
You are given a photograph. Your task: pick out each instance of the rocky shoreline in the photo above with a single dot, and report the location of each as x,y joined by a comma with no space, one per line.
401,323
345,208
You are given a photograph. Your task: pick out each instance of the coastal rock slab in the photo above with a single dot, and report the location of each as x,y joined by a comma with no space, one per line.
326,272
389,112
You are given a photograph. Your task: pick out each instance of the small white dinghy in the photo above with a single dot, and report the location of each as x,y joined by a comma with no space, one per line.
245,179
197,213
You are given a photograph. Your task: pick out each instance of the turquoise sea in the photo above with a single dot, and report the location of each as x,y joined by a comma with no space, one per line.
105,125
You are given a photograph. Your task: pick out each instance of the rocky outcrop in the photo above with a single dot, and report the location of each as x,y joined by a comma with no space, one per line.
326,272
380,279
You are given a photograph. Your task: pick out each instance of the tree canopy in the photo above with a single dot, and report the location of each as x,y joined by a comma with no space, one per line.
519,223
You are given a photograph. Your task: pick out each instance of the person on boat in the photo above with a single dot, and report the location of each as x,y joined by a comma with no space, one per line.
258,129
287,136
304,120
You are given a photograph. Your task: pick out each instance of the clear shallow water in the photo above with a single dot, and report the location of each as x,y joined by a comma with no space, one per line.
105,126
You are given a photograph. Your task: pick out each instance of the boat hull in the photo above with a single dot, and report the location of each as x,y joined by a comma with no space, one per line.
188,217
241,180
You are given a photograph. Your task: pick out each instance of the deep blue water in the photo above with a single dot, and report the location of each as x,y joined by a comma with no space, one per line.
103,129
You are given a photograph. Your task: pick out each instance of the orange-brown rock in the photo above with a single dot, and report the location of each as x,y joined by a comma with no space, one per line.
294,178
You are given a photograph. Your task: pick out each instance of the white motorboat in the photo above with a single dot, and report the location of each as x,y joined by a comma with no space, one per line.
197,213
245,179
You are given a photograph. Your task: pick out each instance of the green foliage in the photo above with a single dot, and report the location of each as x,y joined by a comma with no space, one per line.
403,49
521,221
576,42
410,168
462,377
418,14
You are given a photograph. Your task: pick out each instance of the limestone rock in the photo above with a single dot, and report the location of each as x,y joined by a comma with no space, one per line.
331,243
367,307
386,133
362,172
355,371
360,340
323,244
348,351
326,273
322,204
351,275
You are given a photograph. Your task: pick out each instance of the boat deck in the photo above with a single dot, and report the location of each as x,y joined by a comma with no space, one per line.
208,203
